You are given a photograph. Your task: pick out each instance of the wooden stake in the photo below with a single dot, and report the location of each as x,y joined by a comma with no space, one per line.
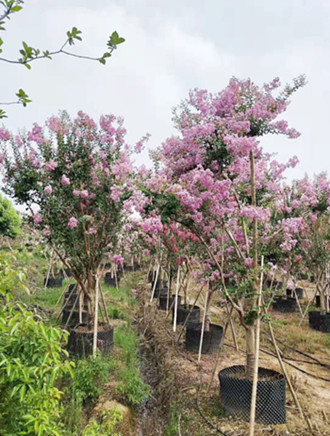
176,300
63,292
104,305
73,308
155,283
292,391
256,361
96,315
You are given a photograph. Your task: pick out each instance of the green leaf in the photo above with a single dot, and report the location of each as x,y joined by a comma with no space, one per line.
16,8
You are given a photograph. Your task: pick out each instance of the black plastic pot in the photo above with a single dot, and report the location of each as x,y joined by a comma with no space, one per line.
282,304
160,286
211,338
235,395
111,281
163,300
318,300
319,322
183,312
54,282
299,292
80,342
74,320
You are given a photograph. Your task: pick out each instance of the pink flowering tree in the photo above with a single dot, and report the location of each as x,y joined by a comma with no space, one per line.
217,181
75,177
308,224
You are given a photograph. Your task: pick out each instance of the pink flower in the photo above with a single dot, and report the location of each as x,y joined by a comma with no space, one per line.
65,180
73,222
46,233
76,193
4,134
117,259
91,231
51,165
37,218
48,189
84,193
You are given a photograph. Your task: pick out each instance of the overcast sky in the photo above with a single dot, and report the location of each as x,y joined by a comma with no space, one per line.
171,47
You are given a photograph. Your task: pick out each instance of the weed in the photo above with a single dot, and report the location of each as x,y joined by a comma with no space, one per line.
107,425
172,427
89,377
131,387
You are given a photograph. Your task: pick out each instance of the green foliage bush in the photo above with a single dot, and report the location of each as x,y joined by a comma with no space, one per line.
89,377
10,221
32,361
107,426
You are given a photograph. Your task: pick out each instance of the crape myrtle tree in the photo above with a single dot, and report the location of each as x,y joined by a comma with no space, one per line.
310,219
216,180
74,176
29,54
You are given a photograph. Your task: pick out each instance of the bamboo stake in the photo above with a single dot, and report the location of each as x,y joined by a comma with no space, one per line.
232,328
103,302
168,290
292,391
96,315
176,300
203,326
81,299
297,300
256,361
63,292
307,307
73,308
155,283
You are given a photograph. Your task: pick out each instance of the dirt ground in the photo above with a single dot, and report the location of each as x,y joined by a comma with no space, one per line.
192,380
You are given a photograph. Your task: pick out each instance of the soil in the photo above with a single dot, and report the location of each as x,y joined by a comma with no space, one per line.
90,329
192,380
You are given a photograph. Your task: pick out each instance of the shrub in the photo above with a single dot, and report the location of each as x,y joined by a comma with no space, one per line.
89,377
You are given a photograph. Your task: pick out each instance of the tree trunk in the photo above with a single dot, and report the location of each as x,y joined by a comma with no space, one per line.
90,289
250,350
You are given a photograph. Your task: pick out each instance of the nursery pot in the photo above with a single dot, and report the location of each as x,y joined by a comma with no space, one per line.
183,312
282,304
299,292
163,300
80,342
111,281
161,286
319,322
236,389
211,338
54,282
318,300
74,320
150,276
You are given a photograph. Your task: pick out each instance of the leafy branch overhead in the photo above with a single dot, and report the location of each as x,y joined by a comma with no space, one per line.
28,54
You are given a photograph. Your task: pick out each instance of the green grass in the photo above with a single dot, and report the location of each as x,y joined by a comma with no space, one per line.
131,388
